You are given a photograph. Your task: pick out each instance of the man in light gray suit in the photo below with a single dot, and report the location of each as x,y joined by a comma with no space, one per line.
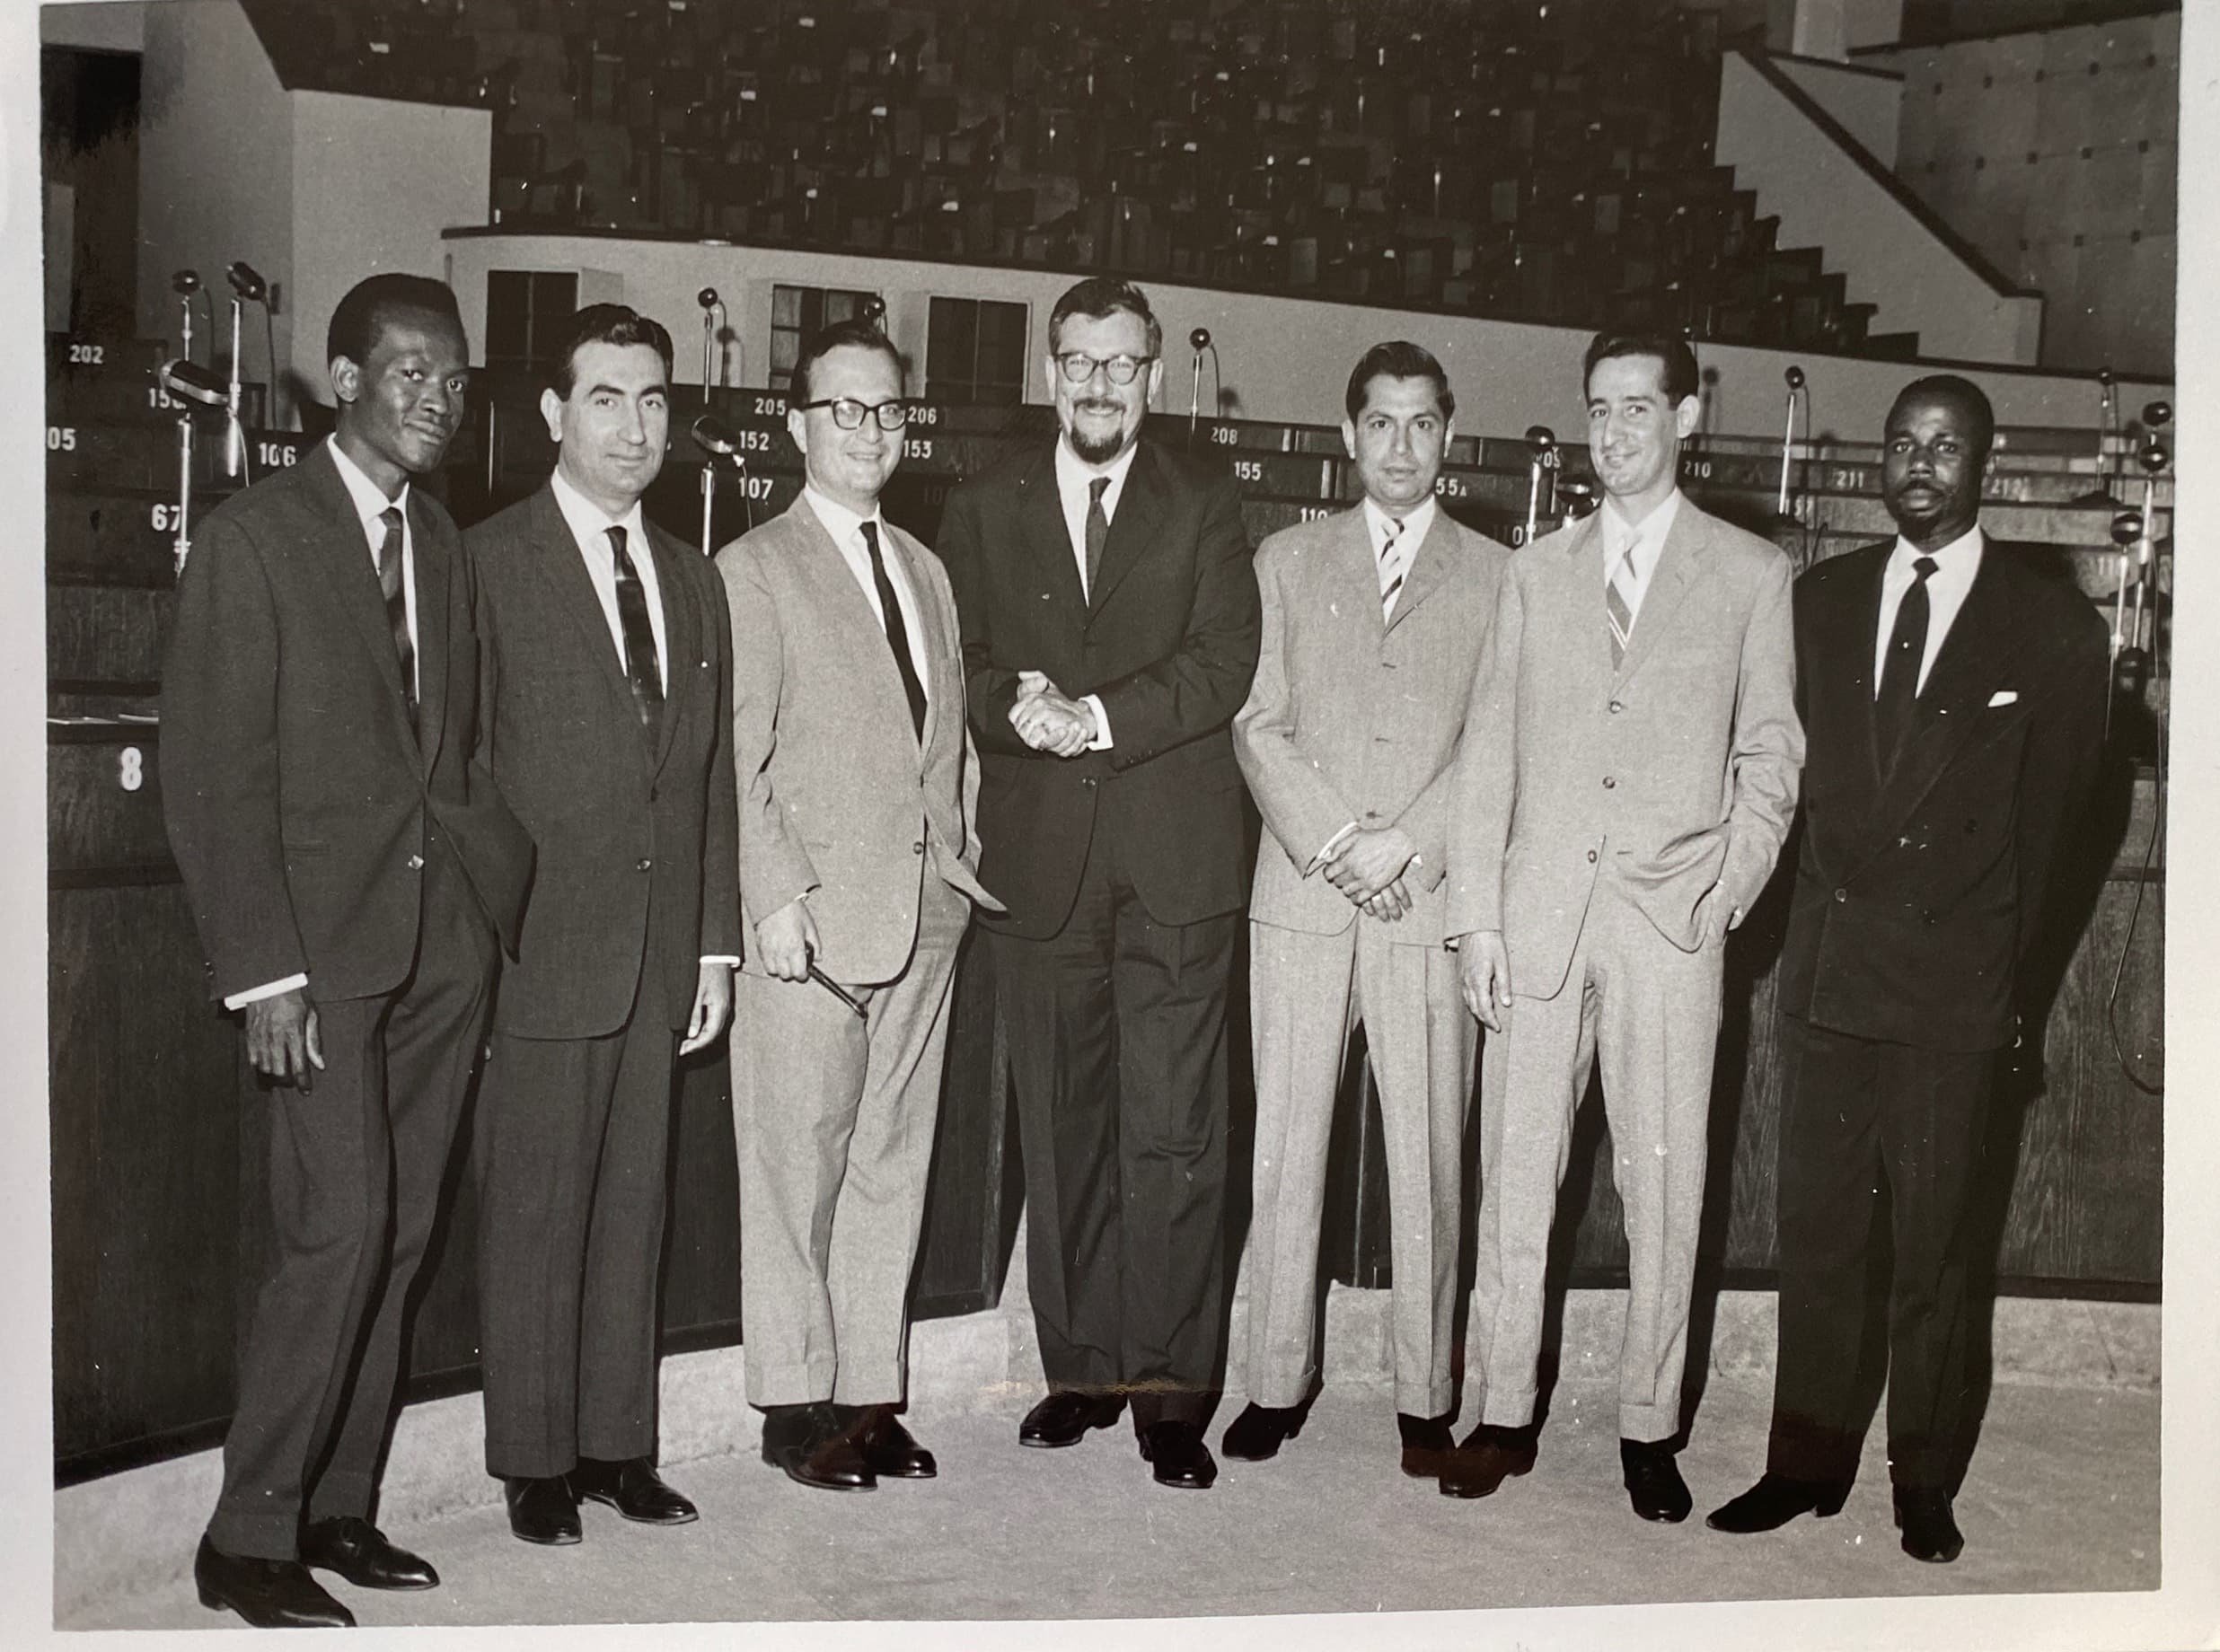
1373,626
857,788
1629,775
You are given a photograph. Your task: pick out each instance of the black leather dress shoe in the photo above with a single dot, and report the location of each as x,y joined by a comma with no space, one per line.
889,1450
1427,1445
267,1593
542,1509
1064,1419
633,1488
812,1445
1256,1434
358,1551
1930,1532
1774,1501
1490,1456
1653,1483
1176,1454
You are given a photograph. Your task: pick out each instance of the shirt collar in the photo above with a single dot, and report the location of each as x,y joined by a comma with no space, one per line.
1956,559
370,503
589,523
1415,520
1074,473
1650,532
839,521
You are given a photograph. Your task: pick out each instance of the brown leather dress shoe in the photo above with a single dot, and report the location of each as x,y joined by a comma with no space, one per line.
633,1488
1490,1456
810,1443
889,1450
267,1593
1063,1419
360,1552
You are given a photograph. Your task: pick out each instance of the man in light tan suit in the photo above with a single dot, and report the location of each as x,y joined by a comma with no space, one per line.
1618,804
857,786
1373,626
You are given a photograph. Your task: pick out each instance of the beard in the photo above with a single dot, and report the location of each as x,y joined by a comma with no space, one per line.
1097,450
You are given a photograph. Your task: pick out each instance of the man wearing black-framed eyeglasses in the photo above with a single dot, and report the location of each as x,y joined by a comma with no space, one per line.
1110,622
849,414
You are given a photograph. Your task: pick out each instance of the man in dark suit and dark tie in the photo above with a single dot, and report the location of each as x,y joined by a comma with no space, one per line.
1110,618
349,870
1953,695
606,718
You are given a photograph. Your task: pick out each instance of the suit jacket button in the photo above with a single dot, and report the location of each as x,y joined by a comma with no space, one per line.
1841,895
1591,858
1610,783
1618,707
645,863
415,863
918,847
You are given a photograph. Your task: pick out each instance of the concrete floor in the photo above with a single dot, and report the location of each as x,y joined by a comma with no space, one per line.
2062,1495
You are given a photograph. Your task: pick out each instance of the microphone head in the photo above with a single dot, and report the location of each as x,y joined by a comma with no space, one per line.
875,309
185,283
2155,413
2104,377
706,298
1796,378
1541,437
2155,456
246,282
1199,338
189,382
713,436
2127,527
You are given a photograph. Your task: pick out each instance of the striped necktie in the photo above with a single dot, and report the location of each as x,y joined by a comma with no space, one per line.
397,603
1617,607
642,668
1390,567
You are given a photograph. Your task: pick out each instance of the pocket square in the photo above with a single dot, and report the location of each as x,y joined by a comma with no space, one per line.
2003,697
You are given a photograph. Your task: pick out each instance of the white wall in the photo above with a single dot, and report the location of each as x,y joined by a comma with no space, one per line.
118,26
1285,358
1867,102
216,167
1890,258
375,183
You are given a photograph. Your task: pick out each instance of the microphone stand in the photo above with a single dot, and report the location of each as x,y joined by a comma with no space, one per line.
1795,379
1544,442
712,329
236,435
188,384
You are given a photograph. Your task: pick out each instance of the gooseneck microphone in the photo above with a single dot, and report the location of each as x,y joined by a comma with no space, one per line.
185,283
1794,377
1544,442
718,440
712,334
188,384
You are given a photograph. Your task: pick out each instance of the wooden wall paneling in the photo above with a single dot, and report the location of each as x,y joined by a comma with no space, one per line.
110,633
104,804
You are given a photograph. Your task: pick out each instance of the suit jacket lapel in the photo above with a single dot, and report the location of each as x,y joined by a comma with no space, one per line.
1584,562
681,635
1041,526
354,582
1429,567
432,652
561,564
1140,504
1679,568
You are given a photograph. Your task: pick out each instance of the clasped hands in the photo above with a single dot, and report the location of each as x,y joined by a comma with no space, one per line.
1368,869
1048,719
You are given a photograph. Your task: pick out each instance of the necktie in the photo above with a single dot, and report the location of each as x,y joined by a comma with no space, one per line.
1617,608
1098,531
897,633
641,666
1899,669
1390,573
397,604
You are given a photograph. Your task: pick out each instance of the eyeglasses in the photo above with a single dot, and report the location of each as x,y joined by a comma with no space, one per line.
848,413
1079,366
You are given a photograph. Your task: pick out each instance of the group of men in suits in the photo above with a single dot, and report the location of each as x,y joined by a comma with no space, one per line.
1529,793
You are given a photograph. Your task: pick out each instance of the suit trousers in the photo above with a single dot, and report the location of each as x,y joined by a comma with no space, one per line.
1306,992
573,1150
1117,1027
833,1118
354,1173
1856,1110
1648,1012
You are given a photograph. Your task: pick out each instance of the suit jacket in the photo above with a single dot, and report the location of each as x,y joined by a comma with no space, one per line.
1356,718
1168,642
1678,769
1920,889
297,798
636,844
838,797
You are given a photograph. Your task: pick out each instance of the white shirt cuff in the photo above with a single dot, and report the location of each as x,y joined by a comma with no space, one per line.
1101,741
240,1000
734,963
1331,844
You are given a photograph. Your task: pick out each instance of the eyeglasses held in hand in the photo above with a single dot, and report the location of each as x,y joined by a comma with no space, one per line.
1079,366
848,413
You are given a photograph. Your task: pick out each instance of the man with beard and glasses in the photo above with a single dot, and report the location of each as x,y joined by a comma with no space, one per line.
349,868
1954,691
1628,774
1110,632
607,724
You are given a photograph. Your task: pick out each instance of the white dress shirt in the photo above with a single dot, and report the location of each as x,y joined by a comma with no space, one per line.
1648,538
1955,565
1075,480
845,528
1417,522
370,504
589,527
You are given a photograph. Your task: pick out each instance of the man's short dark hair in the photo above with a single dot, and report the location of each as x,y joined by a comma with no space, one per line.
617,324
364,313
1950,387
1682,380
1398,359
855,333
1099,297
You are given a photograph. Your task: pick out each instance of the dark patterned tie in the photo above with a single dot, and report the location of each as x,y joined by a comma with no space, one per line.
1899,669
397,604
1098,532
1390,573
641,666
897,633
